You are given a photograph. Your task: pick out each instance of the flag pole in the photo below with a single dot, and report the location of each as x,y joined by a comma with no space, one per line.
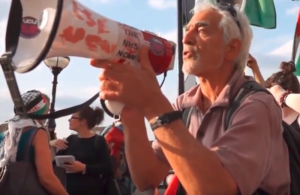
180,47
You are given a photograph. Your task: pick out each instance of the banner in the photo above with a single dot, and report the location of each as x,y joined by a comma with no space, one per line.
296,52
261,13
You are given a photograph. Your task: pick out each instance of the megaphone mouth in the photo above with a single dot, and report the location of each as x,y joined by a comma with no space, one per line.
107,111
39,30
44,18
28,27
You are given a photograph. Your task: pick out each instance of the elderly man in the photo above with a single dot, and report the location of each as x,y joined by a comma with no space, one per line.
250,155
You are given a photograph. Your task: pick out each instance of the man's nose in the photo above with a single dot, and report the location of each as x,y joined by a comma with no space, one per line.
189,38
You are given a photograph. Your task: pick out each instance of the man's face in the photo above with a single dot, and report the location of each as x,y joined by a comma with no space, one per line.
204,48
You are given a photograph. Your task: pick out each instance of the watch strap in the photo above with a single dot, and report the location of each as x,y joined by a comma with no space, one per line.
166,119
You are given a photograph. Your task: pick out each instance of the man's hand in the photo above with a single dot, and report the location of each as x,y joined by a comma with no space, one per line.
135,87
75,167
252,63
60,144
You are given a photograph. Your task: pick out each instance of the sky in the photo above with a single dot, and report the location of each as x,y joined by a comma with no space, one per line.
78,82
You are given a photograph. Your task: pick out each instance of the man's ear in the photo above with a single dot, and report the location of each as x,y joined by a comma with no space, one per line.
233,49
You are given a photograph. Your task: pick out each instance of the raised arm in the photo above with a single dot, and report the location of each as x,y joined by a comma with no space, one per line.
252,64
63,145
291,100
146,169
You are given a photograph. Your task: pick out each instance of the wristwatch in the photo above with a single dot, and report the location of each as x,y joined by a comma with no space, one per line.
166,119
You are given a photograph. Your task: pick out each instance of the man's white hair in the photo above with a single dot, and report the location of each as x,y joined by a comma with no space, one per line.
231,29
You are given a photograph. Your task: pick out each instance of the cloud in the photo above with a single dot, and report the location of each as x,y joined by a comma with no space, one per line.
3,23
269,64
6,110
292,11
171,35
4,10
284,50
162,4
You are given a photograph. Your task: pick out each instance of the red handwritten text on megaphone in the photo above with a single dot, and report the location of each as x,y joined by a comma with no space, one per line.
67,28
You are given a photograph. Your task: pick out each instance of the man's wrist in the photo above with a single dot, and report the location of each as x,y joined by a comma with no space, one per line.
156,108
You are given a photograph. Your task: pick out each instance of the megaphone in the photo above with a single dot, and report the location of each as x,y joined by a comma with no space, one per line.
40,29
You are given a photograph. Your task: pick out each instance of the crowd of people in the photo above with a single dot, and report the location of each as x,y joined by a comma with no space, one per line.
211,152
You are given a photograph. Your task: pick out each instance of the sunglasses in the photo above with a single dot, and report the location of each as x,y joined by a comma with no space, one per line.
230,9
74,117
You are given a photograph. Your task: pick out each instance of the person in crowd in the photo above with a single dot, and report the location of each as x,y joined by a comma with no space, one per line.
13,142
289,102
285,87
114,136
92,164
205,158
252,64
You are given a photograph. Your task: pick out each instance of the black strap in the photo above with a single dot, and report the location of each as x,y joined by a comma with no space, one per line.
186,116
165,119
247,89
25,155
66,111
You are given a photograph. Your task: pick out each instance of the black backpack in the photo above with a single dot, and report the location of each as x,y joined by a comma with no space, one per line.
290,135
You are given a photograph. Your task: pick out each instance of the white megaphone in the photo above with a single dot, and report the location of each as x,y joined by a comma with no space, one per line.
40,29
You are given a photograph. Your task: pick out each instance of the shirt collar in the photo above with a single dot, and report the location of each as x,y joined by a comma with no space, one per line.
192,98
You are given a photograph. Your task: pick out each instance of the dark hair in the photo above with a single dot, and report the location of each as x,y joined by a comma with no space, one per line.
285,78
92,116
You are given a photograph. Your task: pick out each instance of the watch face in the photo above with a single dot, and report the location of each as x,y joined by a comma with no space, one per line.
163,120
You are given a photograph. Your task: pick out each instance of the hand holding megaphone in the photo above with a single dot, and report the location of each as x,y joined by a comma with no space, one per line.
37,30
126,84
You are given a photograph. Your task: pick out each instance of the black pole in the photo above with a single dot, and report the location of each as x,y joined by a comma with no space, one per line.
51,122
180,47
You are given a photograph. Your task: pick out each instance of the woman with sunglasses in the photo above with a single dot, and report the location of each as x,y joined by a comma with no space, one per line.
92,165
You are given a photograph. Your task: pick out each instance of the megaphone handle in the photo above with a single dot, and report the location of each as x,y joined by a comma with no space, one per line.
115,107
112,108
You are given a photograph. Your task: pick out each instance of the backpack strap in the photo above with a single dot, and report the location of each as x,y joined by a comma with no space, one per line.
186,116
247,89
25,154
